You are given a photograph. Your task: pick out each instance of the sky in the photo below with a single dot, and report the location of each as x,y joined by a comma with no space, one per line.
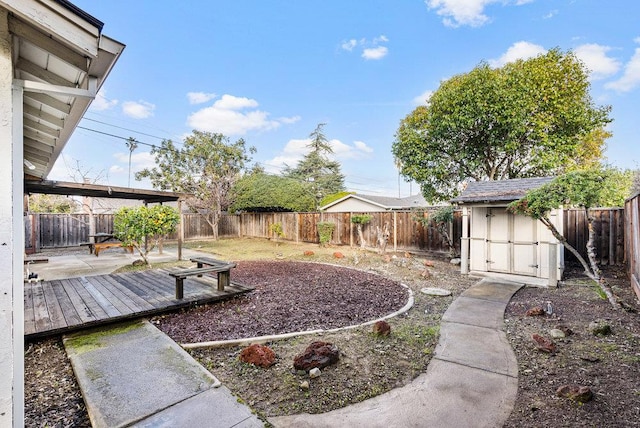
271,71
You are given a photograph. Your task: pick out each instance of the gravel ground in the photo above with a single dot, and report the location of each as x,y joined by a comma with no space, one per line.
370,365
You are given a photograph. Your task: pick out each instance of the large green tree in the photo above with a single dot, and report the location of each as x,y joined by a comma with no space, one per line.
260,191
321,173
206,167
528,118
595,187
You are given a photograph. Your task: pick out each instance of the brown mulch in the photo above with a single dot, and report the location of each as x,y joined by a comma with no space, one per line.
289,297
609,365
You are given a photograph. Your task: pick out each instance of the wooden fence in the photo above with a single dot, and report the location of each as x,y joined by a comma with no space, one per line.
407,233
632,240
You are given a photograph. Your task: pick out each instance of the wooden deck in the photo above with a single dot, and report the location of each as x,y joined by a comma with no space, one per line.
59,306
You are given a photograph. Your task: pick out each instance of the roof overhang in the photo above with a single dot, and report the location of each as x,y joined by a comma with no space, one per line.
99,191
60,61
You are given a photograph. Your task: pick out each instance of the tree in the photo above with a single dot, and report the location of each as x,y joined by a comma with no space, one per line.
206,168
529,118
259,191
322,174
360,220
40,203
587,189
133,226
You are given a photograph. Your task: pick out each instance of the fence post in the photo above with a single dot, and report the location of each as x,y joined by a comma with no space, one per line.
395,231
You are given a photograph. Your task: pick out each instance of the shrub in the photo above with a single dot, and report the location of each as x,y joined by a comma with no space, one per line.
325,230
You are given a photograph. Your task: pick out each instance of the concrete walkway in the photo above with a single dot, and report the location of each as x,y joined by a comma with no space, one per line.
472,380
134,375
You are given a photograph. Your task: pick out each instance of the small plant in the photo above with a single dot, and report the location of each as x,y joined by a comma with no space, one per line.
325,230
276,231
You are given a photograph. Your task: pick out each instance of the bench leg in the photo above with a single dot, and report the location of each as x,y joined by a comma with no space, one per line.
199,266
179,288
224,279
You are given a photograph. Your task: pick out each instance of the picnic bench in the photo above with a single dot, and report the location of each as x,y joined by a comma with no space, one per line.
204,265
103,241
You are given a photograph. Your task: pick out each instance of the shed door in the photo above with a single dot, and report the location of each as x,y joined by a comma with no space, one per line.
498,251
512,246
525,245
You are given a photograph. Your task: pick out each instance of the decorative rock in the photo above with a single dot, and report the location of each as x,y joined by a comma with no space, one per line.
456,261
138,262
308,253
258,355
426,274
381,328
535,312
556,333
338,255
314,373
543,344
304,385
428,263
566,330
578,393
432,291
599,328
318,354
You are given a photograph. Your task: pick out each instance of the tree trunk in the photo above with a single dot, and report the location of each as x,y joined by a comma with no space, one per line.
360,235
592,274
591,254
382,237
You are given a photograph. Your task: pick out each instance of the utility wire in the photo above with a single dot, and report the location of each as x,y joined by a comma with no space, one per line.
125,129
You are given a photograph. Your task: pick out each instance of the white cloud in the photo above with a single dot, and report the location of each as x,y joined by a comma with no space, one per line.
115,169
289,120
101,102
349,45
423,98
371,50
231,115
296,149
458,13
200,97
375,53
631,77
138,110
519,50
362,146
596,60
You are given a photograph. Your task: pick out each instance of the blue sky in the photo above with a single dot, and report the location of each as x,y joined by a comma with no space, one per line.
270,71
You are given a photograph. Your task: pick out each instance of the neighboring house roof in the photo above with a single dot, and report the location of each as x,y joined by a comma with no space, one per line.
384,202
499,190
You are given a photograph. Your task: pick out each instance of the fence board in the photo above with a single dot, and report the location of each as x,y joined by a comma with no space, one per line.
632,241
407,231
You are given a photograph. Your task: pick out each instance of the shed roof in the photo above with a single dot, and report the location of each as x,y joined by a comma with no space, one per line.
499,190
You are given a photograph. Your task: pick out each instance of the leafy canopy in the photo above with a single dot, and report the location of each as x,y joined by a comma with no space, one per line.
322,174
133,225
529,118
596,187
260,191
206,167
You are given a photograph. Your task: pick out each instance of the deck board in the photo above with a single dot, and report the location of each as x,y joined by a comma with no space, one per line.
59,306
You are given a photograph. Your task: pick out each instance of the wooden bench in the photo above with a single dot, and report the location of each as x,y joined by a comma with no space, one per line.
97,247
205,265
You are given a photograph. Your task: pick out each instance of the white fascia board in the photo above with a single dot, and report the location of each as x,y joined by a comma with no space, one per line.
52,18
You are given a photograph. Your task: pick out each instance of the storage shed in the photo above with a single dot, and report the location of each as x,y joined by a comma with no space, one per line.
500,244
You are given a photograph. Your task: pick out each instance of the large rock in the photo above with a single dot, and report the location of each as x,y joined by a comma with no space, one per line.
381,328
543,344
258,355
318,354
578,393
